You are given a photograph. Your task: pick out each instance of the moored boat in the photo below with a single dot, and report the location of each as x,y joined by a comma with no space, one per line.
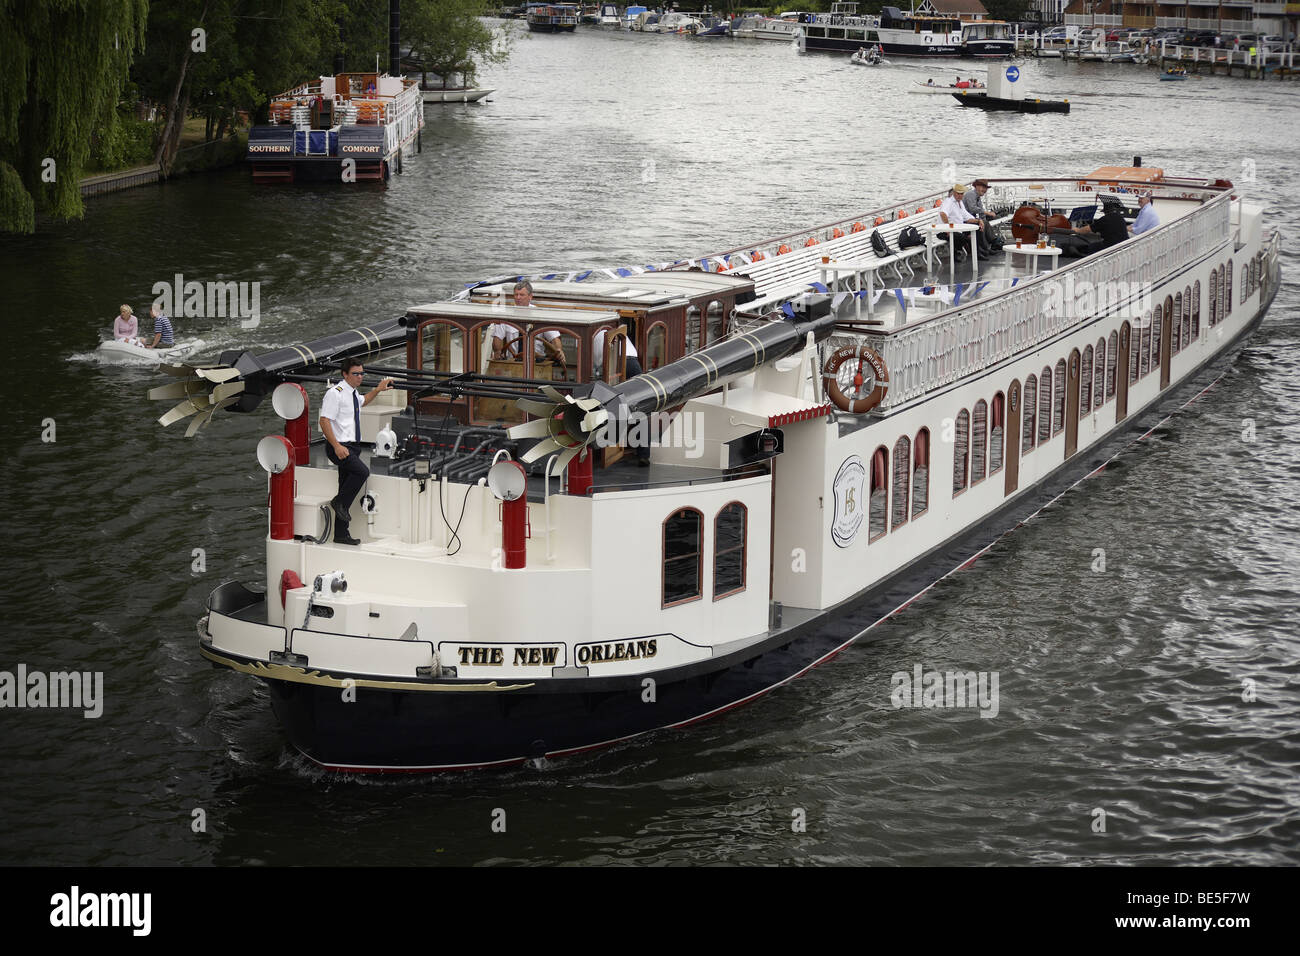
454,95
796,496
552,17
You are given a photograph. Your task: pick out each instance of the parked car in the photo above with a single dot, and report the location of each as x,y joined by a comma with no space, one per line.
1198,38
1273,43
1242,40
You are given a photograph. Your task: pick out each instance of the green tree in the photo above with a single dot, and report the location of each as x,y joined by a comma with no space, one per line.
65,64
448,38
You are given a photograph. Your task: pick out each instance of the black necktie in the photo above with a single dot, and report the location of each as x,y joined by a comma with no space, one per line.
356,417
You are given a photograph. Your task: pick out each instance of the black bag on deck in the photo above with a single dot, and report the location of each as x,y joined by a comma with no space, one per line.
909,237
879,244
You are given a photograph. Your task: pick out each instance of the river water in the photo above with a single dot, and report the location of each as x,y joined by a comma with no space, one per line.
1121,690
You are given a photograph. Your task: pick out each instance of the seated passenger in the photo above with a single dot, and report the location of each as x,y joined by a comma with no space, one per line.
126,328
1110,226
953,210
1146,217
988,240
162,329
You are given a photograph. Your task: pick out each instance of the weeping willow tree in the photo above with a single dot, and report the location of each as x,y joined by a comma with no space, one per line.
65,62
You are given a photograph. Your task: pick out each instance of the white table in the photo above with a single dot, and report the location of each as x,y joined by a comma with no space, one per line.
951,230
854,267
1031,249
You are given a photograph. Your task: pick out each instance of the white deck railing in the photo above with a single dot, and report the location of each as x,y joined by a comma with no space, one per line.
937,351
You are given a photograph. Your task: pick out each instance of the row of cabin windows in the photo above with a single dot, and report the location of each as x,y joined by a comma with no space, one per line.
1220,293
683,549
1250,276
906,484
978,444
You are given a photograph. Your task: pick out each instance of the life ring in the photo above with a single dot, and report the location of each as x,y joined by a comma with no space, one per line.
860,355
880,220
938,203
837,233
756,256
782,249
902,214
858,227
812,241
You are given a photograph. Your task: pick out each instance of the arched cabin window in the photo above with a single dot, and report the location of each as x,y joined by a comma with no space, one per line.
1176,325
1144,346
921,473
1157,325
1045,405
1256,267
1029,406
1219,295
902,464
729,537
879,498
1245,284
1135,350
1214,291
997,434
1085,380
1196,311
1058,398
960,451
1227,289
1112,359
979,442
716,322
1099,374
683,556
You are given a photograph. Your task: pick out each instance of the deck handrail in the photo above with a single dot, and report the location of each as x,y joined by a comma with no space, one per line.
938,350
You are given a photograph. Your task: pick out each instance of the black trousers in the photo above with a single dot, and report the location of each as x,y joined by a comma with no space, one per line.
352,472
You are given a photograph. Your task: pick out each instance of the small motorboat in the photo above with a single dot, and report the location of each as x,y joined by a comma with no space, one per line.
114,350
872,57
1174,75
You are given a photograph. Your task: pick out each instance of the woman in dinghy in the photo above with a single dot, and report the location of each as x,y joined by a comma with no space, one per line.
126,328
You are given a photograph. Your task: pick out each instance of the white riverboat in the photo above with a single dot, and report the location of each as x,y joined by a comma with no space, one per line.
825,442
370,120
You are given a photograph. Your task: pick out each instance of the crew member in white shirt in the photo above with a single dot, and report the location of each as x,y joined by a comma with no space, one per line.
340,423
506,338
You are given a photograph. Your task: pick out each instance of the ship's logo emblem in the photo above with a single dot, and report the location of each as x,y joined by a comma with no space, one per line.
848,491
1013,73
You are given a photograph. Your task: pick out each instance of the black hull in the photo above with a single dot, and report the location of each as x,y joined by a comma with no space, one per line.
996,104
1001,49
419,730
831,45
551,28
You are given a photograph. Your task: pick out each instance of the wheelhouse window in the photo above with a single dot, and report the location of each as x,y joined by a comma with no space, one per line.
1045,406
979,443
656,346
921,473
902,465
1058,398
1030,404
997,434
960,451
442,347
683,549
729,530
694,329
1112,359
1085,380
555,354
878,502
